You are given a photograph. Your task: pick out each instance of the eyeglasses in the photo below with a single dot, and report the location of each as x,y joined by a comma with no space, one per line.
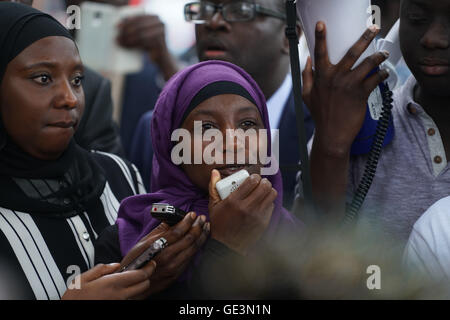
201,12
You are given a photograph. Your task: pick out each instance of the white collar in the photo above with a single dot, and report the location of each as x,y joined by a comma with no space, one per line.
405,95
276,102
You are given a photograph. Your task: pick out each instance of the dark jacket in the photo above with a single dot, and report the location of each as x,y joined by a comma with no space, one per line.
97,130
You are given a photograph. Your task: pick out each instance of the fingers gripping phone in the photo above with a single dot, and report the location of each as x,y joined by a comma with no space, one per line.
229,184
146,256
97,38
167,213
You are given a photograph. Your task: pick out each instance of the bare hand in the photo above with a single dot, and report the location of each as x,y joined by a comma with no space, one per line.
103,283
184,239
147,33
337,95
240,220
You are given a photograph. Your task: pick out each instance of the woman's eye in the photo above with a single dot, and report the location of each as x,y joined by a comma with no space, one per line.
42,79
207,126
77,81
248,124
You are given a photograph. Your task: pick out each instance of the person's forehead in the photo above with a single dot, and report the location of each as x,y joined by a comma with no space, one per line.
234,104
28,2
113,2
60,51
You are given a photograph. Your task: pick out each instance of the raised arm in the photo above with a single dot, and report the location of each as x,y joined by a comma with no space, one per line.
337,97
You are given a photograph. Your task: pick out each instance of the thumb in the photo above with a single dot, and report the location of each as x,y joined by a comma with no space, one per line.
99,271
214,197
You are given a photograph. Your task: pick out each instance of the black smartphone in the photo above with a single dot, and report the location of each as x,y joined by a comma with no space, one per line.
146,256
167,213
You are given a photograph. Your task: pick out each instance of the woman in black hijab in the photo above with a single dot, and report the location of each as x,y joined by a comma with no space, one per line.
55,198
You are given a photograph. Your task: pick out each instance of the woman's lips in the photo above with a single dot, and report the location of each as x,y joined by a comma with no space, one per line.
229,170
64,125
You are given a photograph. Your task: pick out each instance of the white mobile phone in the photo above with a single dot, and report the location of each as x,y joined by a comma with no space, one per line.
229,184
97,38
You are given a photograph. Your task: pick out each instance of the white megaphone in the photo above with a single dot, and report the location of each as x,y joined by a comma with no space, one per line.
391,44
346,21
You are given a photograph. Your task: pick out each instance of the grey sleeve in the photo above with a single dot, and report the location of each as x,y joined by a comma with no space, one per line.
97,130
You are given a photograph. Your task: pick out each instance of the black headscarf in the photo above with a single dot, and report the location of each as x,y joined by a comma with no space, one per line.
63,186
21,26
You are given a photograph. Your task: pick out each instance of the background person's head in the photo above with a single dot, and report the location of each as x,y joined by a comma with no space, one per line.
259,46
425,43
113,2
27,2
41,96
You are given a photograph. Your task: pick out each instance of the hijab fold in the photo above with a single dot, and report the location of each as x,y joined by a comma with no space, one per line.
169,183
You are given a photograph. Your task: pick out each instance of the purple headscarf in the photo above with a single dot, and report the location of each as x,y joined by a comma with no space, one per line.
169,182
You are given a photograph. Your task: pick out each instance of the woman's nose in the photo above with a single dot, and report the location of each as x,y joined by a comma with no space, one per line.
66,98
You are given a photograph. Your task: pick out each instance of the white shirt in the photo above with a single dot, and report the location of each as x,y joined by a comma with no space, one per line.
275,104
428,248
275,107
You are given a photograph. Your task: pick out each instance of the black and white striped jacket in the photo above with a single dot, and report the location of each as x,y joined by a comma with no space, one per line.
40,255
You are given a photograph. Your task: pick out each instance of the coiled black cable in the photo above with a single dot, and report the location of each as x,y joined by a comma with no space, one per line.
374,156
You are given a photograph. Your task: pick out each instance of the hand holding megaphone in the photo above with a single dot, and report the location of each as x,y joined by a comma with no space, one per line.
337,94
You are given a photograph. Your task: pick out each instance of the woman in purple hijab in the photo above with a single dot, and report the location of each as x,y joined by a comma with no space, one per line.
222,96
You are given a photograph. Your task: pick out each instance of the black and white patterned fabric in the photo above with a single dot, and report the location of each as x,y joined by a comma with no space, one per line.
40,254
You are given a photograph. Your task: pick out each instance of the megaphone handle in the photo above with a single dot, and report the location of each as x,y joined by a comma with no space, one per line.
291,34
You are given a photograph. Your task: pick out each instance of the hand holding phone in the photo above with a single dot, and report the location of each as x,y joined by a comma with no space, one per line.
103,282
146,256
97,38
167,213
226,186
183,241
240,219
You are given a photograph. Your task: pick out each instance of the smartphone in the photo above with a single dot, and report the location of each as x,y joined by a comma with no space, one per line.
97,38
146,256
229,184
167,213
